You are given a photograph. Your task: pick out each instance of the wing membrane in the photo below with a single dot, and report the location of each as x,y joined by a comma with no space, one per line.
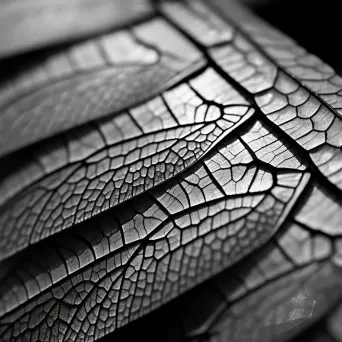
163,242
116,159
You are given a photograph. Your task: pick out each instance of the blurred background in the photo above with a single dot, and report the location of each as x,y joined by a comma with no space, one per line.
316,25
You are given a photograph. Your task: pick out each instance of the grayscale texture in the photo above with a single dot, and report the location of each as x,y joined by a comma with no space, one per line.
177,176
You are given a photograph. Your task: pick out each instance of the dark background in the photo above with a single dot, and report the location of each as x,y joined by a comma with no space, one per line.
316,25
